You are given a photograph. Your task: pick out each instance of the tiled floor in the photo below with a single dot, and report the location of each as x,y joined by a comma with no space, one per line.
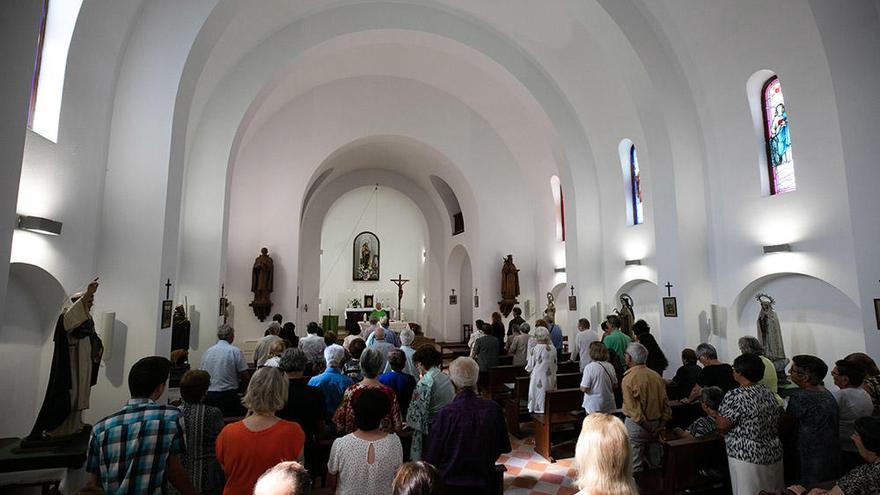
530,474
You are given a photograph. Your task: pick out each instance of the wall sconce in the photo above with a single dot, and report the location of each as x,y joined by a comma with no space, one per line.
777,248
39,225
559,270
632,262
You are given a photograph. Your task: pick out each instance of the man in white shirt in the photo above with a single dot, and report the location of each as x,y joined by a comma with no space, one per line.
853,403
582,342
265,342
313,345
227,367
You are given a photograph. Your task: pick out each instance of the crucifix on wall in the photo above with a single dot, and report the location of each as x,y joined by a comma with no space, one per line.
399,282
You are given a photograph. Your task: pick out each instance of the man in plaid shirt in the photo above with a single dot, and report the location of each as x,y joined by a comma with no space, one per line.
134,450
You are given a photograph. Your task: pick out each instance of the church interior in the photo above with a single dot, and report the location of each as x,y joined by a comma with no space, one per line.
679,160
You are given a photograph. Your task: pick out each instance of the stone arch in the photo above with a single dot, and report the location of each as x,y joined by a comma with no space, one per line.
646,305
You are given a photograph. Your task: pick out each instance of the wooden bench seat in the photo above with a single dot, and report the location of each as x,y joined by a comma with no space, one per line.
515,404
562,417
499,377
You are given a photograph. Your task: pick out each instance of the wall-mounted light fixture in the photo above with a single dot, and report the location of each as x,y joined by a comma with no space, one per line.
777,248
39,225
632,262
559,270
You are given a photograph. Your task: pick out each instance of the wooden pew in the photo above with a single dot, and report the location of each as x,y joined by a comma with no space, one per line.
499,378
505,360
563,415
515,405
566,366
689,465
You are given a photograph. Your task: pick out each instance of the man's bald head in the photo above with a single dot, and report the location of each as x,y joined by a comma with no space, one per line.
286,478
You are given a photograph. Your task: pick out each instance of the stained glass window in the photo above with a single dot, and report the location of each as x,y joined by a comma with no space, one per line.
779,161
635,188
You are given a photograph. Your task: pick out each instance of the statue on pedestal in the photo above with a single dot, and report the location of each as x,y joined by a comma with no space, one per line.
75,364
626,314
770,334
509,286
180,327
550,311
262,284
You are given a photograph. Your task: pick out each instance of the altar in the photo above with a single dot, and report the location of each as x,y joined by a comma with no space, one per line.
353,316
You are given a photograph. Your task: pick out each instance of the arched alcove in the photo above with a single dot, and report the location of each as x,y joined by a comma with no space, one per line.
450,200
645,306
33,301
816,317
459,276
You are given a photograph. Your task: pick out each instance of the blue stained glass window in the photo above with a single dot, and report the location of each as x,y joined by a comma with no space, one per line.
635,186
776,126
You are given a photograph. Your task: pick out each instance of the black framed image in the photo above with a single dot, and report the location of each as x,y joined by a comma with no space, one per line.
670,307
453,300
167,310
365,257
368,301
877,312
572,303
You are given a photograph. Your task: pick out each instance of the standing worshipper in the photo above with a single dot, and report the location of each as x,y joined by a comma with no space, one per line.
262,348
854,403
582,342
817,414
519,345
379,343
226,365
599,381
872,377
656,359
352,367
305,404
616,340
645,406
468,435
75,363
749,418
372,363
288,333
398,380
685,377
602,458
201,426
407,336
332,382
313,345
478,332
485,352
390,335
714,372
137,449
555,335
542,370
515,322
496,329
751,345
433,391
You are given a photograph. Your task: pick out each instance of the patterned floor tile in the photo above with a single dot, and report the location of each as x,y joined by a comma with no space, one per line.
530,474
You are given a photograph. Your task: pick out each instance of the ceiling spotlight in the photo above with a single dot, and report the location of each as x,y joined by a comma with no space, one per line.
39,225
632,262
777,248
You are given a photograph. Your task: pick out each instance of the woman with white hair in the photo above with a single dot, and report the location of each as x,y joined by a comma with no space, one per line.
407,337
602,457
542,368
247,448
372,362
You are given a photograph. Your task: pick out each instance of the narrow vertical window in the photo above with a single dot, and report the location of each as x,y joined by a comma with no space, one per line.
778,138
37,63
558,207
635,185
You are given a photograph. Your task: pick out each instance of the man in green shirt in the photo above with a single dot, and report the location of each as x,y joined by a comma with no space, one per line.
378,312
616,340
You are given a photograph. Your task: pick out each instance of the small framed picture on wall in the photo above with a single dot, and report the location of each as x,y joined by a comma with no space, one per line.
670,307
167,309
368,301
877,312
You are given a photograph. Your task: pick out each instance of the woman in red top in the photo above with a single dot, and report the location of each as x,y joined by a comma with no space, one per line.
247,448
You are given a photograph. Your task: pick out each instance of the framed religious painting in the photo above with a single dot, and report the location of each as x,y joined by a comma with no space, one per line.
877,312
167,310
365,257
670,307
368,300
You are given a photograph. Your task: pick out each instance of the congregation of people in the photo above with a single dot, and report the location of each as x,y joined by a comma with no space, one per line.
382,413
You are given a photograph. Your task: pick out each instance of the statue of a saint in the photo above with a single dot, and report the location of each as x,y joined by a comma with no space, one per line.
550,311
75,363
770,334
626,314
366,258
180,329
509,286
262,284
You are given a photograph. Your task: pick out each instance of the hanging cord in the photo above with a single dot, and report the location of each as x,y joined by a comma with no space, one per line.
354,229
